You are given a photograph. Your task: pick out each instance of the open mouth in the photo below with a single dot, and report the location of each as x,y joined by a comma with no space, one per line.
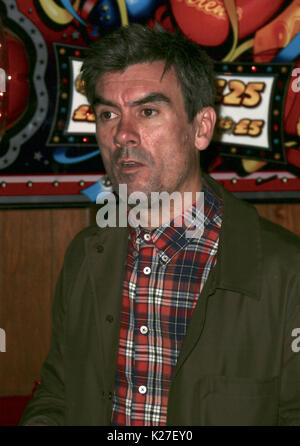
130,165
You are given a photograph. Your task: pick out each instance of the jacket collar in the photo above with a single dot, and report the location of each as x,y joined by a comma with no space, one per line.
239,258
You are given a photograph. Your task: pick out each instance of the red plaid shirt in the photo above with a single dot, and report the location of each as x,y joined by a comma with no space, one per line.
165,273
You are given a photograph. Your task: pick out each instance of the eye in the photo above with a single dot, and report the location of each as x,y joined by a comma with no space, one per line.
107,115
149,112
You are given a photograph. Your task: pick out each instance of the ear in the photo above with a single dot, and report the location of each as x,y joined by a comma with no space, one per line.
204,123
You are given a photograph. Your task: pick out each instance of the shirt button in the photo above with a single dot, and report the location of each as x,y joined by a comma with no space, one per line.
142,389
144,329
147,237
165,258
147,270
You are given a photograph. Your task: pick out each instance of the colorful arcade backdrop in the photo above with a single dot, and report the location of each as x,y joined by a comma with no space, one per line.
48,151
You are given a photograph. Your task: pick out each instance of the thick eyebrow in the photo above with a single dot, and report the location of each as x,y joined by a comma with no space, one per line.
152,97
99,100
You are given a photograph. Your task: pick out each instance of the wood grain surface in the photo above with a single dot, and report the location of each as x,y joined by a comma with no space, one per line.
32,246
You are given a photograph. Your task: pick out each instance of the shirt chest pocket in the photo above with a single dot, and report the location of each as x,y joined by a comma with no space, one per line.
233,401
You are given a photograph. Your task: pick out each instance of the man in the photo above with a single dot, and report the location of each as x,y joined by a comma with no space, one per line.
151,327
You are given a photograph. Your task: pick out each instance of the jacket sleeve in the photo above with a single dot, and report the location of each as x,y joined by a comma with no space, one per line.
289,404
48,405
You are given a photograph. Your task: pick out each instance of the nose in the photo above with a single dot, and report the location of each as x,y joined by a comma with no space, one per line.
127,133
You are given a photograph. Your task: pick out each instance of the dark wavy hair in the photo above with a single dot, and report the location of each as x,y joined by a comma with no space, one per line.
136,44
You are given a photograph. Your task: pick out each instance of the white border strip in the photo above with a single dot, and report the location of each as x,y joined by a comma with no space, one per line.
252,176
51,178
98,177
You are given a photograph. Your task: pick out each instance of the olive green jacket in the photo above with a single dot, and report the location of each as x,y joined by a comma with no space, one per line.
239,363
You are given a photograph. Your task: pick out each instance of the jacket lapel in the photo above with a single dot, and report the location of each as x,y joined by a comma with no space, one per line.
240,255
239,263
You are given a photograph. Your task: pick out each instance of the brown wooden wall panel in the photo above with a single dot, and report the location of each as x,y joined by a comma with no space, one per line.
32,247
25,293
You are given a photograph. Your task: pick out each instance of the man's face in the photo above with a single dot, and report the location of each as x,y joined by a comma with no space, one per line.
143,132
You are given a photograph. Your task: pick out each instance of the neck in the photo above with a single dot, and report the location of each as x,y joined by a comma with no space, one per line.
164,207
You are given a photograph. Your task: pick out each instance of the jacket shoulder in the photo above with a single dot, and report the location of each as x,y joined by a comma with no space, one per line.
76,248
276,237
83,234
281,257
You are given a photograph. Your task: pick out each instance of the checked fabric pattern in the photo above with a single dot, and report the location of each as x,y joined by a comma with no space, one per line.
165,273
